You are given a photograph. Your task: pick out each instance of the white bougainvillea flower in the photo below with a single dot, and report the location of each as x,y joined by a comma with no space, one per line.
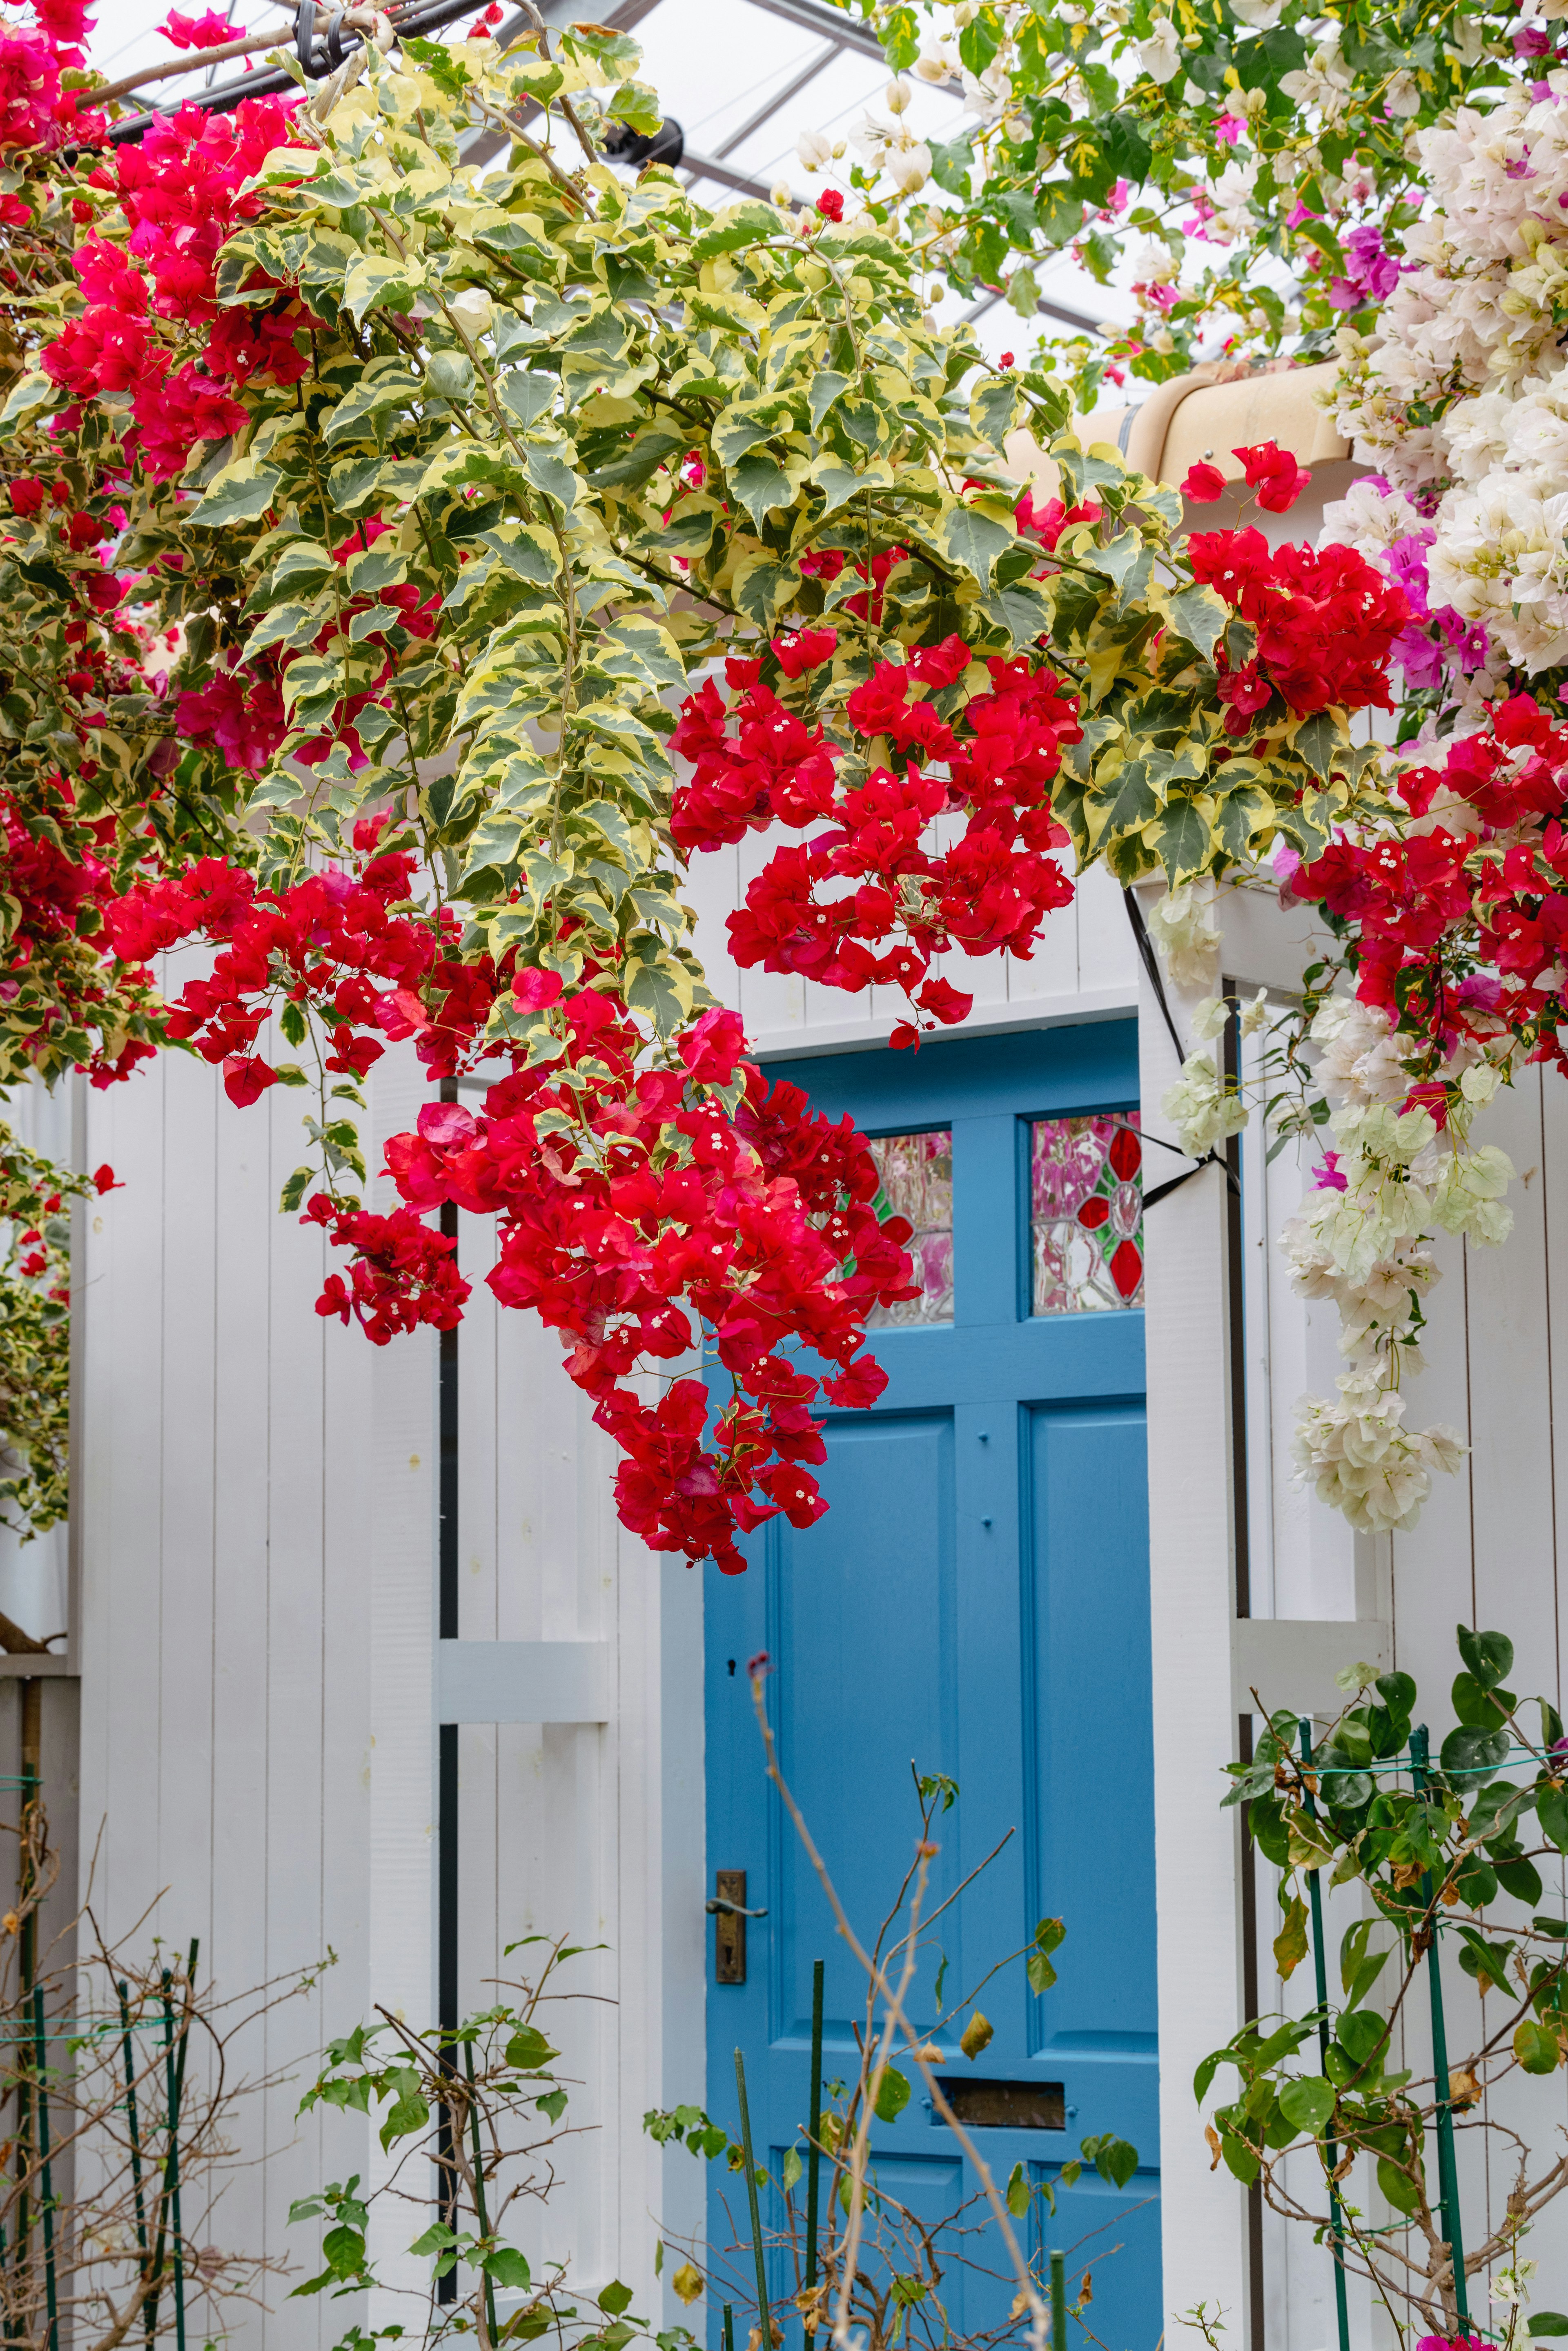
1160,55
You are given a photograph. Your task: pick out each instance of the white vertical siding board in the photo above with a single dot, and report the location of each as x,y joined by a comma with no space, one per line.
402,1611
122,1676
1511,1431
1107,956
479,1341
1192,1601
290,1864
232,1707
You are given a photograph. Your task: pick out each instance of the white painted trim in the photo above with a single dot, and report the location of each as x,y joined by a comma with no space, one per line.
522,1681
1192,1602
986,1021
1292,1661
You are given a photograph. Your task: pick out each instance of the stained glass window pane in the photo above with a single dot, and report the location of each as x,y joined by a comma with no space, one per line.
1086,1224
916,1172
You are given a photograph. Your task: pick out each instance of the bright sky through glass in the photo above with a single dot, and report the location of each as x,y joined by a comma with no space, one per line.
734,75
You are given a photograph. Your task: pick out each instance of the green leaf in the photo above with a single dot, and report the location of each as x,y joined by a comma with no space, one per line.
375,282
1113,2159
1489,1656
791,2167
615,2298
1470,1754
892,2095
553,2104
1199,615
973,541
1549,2322
1401,2191
436,2239
738,226
1535,2048
551,474
1181,840
1552,1812
1308,2103
761,485
1018,2191
528,2051
1320,741
241,493
1290,1942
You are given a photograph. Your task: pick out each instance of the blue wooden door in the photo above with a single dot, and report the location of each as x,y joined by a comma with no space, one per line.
975,1604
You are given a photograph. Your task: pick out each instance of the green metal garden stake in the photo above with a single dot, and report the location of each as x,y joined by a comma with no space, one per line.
479,2184
1331,2150
1059,2301
1448,2172
46,2205
813,2157
135,2126
728,2328
764,2324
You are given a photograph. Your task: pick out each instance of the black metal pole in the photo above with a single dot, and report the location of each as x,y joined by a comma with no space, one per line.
814,2153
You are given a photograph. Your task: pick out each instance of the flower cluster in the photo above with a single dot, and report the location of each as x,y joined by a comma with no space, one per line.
643,1220
180,193
875,898
1325,621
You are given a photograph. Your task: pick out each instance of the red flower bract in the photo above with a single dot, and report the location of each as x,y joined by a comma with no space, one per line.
1325,621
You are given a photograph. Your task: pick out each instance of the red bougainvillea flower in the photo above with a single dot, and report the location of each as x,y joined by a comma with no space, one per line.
1274,474
1325,621
1203,485
208,32
831,205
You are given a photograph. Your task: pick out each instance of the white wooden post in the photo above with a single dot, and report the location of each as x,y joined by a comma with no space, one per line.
1192,1587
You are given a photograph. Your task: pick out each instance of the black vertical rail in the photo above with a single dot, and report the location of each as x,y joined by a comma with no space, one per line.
45,2182
814,2153
1241,1539
28,1961
447,1626
134,2127
764,2322
1319,1966
1447,2170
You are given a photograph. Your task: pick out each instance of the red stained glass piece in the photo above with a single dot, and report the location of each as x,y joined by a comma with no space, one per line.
1127,1154
1093,1213
1127,1269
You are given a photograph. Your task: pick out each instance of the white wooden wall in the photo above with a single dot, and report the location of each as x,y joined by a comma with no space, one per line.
258,1658
1486,1552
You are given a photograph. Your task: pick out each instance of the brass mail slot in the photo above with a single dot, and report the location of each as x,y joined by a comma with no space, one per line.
1007,2105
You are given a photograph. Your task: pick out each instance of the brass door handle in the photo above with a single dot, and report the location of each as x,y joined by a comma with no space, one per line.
737,1910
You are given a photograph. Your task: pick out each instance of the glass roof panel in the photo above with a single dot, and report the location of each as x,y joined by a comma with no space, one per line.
738,78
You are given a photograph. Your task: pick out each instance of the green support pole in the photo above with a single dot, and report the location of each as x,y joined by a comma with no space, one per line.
813,2157
135,2127
1059,2301
479,2184
46,2204
168,2203
1331,2150
764,2324
1448,2172
728,2328
28,1964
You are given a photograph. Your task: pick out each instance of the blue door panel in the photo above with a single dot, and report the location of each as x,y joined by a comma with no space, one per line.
975,1602
1092,1760
860,1691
